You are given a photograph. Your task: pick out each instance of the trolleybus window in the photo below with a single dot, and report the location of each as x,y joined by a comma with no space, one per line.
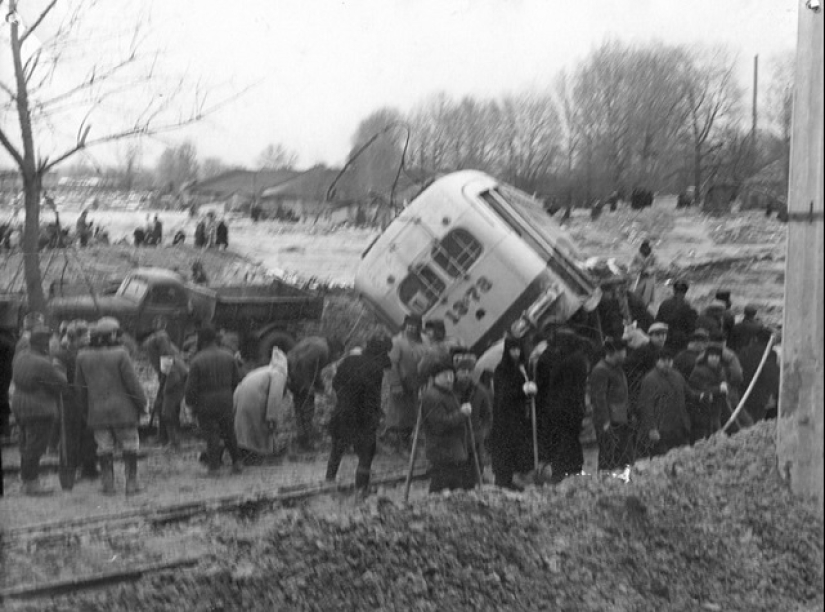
456,252
421,290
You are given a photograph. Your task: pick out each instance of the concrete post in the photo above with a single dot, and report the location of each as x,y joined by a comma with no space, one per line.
800,434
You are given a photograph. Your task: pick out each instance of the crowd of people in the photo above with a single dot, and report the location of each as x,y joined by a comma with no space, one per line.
677,387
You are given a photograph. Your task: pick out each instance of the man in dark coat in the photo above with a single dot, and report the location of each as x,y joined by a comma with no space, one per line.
222,235
107,386
38,384
561,380
213,377
728,318
469,391
745,331
511,435
444,424
643,359
159,343
664,422
679,316
608,395
765,392
357,413
306,360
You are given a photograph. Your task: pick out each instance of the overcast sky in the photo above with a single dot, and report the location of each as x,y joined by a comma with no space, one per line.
318,67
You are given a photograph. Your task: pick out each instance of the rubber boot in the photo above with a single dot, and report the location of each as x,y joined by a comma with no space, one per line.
107,475
130,463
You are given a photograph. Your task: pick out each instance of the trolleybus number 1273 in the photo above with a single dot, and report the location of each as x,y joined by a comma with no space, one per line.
462,306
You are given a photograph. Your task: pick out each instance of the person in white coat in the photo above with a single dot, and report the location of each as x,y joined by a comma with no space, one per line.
260,405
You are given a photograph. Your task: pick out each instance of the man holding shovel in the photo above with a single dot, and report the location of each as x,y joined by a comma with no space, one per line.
468,391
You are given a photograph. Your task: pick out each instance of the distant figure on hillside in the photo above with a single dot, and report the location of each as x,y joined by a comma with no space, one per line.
180,237
222,235
644,264
140,236
83,229
200,234
199,274
157,231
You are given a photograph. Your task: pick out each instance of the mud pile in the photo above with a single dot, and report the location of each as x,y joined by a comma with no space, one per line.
713,528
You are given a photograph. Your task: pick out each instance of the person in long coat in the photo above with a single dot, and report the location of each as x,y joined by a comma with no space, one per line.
260,406
176,372
708,377
108,386
404,381
561,378
38,385
481,420
644,267
357,413
444,424
213,377
611,413
765,392
746,330
511,433
305,361
679,315
664,422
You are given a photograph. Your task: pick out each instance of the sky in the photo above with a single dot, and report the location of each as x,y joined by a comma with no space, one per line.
304,73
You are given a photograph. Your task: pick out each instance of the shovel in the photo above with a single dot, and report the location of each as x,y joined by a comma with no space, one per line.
476,462
413,453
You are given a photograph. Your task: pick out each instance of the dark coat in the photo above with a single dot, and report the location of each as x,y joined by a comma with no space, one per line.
173,389
108,386
222,234
681,321
482,403
663,403
213,376
743,333
357,385
444,426
511,433
705,379
767,384
608,395
637,365
561,378
306,360
685,361
38,384
6,358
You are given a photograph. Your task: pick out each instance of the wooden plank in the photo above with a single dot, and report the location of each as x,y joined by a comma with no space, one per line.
800,424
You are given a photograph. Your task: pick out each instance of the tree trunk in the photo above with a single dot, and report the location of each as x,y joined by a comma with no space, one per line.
697,175
31,237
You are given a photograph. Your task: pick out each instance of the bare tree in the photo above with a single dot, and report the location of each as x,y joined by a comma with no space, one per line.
42,96
712,99
177,166
277,157
375,157
130,153
213,166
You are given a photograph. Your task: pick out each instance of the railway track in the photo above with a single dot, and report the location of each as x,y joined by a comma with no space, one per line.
118,547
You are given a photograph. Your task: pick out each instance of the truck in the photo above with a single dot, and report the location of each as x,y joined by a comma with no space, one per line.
262,316
484,257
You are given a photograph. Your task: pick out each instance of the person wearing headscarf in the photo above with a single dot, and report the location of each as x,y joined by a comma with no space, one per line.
404,380
357,413
644,266
511,433
260,406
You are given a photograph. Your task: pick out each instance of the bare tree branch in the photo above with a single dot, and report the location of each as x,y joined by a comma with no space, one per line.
38,21
18,159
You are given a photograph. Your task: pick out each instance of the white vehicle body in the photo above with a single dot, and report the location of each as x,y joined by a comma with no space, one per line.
479,254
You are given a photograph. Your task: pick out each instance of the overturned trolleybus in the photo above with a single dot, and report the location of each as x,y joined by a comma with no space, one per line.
484,257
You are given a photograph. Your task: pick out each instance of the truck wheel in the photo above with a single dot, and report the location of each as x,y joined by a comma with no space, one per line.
281,339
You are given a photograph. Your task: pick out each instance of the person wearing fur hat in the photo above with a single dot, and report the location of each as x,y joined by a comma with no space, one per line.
38,384
708,377
107,385
404,381
611,412
510,435
679,315
357,413
664,422
444,424
468,390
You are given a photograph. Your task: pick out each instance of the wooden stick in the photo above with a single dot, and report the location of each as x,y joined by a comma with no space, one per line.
414,451
753,383
476,462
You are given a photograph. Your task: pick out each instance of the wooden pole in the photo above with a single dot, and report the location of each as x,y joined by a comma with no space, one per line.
800,422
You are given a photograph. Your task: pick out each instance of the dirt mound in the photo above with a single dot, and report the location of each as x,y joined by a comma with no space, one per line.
712,528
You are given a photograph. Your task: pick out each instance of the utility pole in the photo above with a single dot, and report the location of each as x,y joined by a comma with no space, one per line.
800,437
